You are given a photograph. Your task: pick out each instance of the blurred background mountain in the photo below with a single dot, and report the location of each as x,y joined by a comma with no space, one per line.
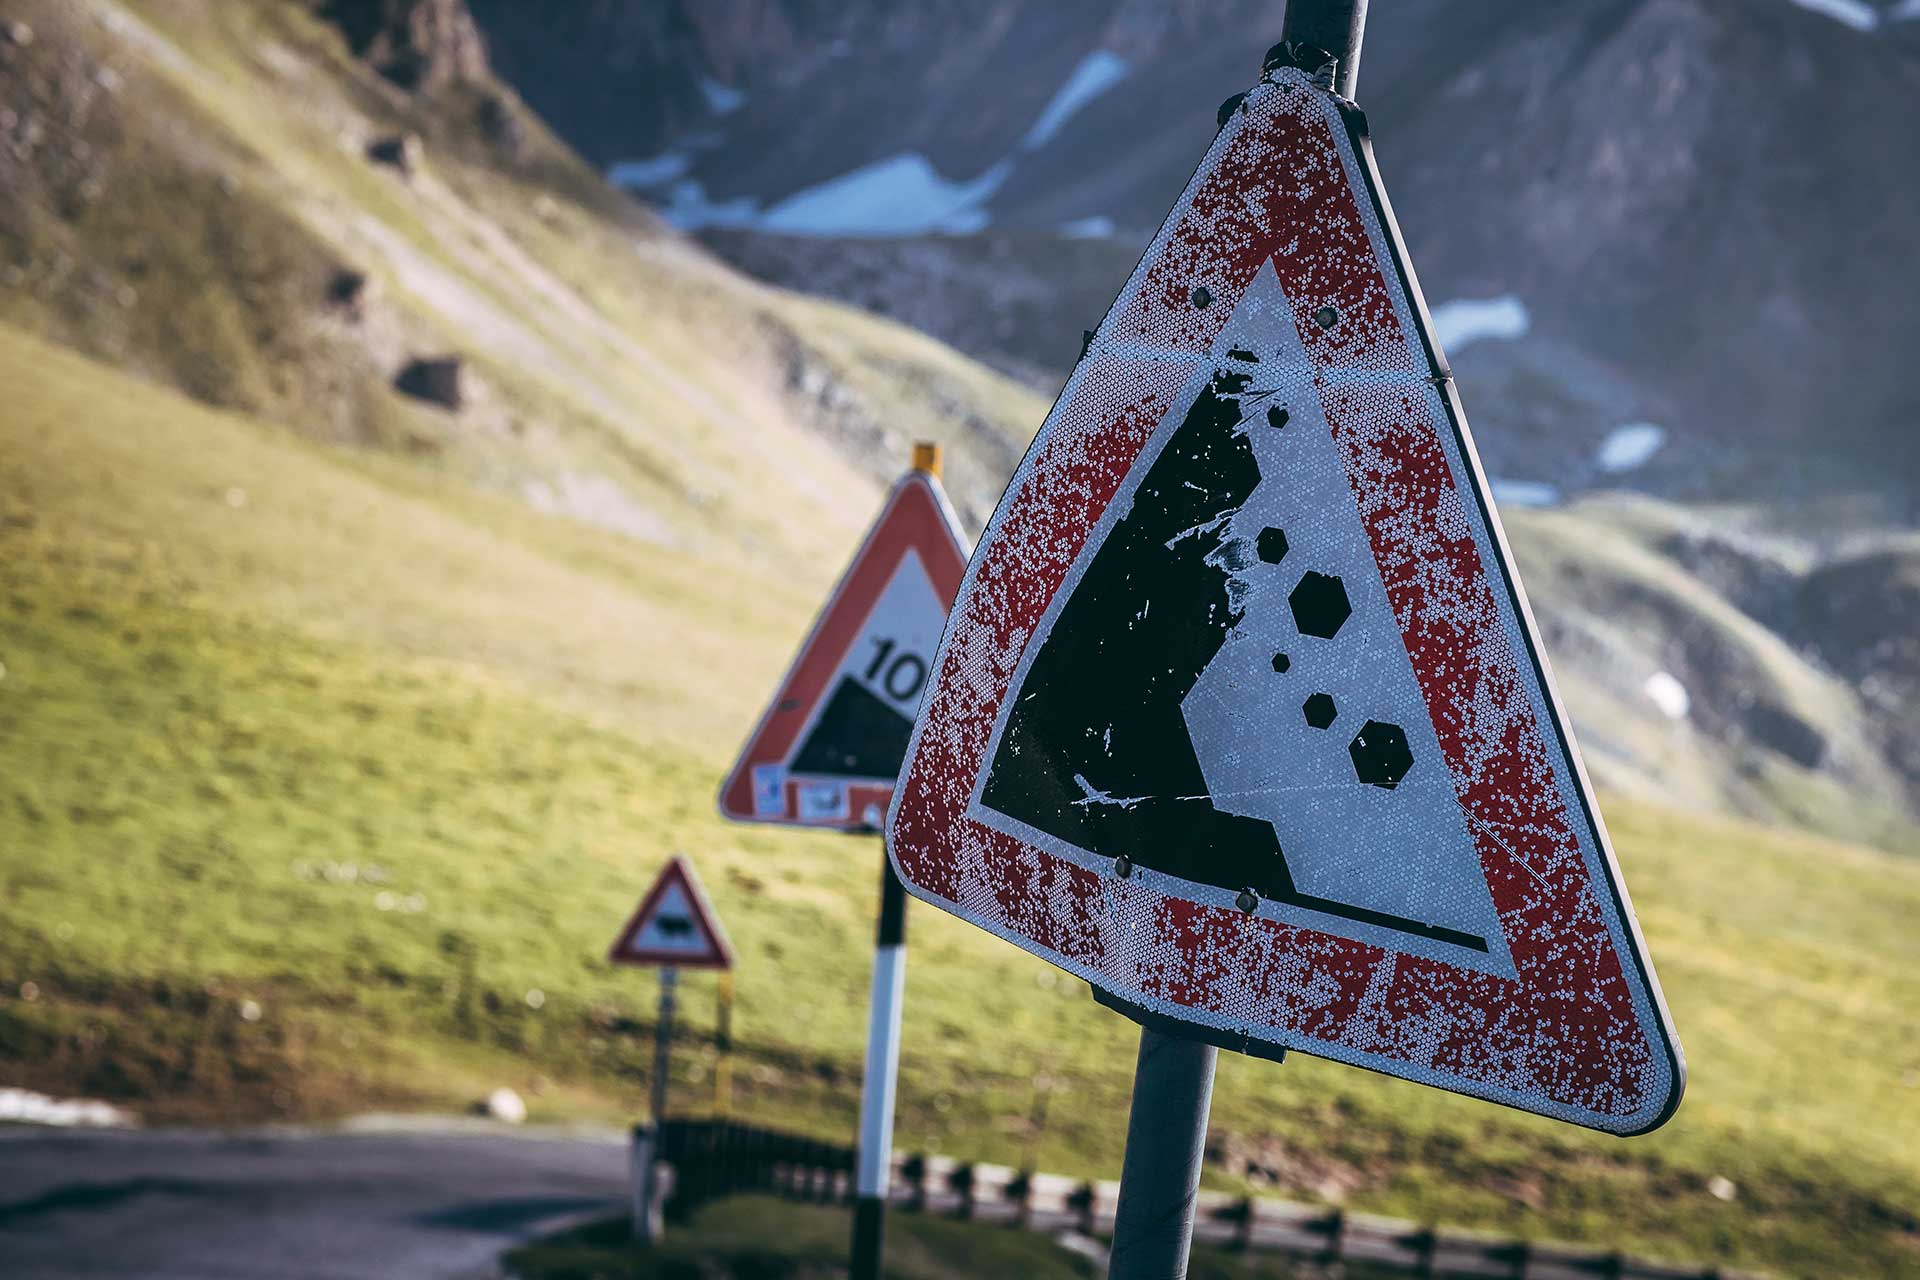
1658,237
428,424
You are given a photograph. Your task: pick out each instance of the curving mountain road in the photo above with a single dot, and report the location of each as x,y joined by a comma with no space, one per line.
299,1205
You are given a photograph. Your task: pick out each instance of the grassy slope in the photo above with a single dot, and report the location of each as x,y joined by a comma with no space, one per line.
382,756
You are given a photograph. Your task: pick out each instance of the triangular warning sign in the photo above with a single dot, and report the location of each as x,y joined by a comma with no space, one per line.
828,748
1241,715
674,926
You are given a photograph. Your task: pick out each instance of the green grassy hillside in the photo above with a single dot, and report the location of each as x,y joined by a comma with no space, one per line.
193,181
322,739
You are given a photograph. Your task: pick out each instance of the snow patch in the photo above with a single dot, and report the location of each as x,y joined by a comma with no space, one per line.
1524,493
1857,14
1668,695
1467,320
644,175
1098,72
688,208
1630,446
902,195
722,100
23,1106
1099,226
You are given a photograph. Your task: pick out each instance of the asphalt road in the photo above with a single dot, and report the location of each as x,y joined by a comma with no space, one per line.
195,1205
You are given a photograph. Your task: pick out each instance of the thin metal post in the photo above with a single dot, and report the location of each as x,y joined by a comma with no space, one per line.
723,1042
1166,1141
882,1074
646,1216
1333,25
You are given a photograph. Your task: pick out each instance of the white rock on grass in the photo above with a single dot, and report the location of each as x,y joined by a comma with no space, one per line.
1668,694
23,1106
505,1105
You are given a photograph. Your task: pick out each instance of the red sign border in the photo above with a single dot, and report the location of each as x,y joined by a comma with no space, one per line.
680,870
916,516
1041,875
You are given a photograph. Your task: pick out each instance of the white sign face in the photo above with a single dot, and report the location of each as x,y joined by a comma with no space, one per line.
860,732
828,749
1302,709
1240,716
674,926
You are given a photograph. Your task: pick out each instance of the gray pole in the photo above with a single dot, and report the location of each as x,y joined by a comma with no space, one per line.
646,1154
1166,1141
1332,25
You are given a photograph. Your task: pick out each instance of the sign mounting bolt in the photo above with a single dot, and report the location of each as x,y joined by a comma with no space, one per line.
1326,317
1247,901
1123,866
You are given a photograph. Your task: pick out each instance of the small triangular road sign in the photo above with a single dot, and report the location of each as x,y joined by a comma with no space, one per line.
1241,715
829,746
674,926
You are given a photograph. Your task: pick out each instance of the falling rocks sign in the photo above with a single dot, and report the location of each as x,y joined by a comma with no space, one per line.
1240,715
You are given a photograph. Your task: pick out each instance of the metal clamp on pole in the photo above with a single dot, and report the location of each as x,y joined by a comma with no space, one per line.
1332,26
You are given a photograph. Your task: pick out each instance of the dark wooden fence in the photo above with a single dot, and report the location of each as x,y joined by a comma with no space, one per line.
715,1158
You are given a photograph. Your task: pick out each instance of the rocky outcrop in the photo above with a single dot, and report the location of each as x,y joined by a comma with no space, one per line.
438,380
402,151
420,45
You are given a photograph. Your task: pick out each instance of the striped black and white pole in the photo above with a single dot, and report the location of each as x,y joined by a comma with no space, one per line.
872,1176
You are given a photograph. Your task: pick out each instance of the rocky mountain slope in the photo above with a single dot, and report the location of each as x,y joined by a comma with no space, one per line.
1624,213
1698,206
397,255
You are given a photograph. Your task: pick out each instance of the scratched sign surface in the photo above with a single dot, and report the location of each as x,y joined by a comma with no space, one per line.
1240,715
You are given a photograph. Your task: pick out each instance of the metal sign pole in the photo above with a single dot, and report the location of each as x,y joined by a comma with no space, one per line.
723,1042
646,1218
879,1083
1166,1142
882,1072
1173,1081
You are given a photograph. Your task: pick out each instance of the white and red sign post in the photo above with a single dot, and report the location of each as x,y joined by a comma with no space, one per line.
673,928
828,750
1240,715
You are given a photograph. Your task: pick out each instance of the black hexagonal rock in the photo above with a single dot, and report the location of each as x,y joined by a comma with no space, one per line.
1319,604
1380,754
1319,710
1271,544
